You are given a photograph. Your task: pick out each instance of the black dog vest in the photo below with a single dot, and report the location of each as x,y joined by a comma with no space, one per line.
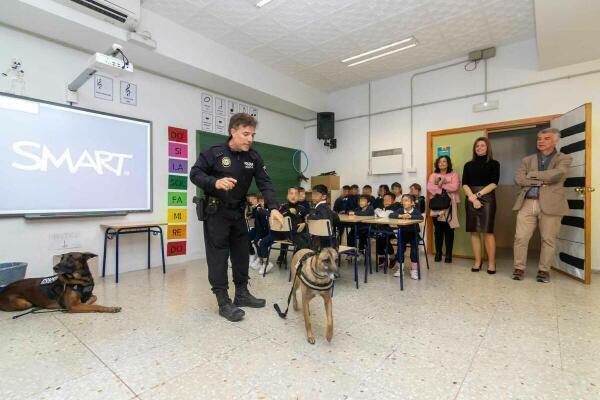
54,289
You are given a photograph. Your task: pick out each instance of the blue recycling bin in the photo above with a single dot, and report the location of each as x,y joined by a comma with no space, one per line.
11,272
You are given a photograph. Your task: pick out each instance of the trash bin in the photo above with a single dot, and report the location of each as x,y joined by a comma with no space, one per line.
11,272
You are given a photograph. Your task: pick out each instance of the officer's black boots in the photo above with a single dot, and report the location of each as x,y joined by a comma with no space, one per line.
228,310
243,298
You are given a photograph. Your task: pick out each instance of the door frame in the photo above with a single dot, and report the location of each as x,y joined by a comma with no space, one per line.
486,128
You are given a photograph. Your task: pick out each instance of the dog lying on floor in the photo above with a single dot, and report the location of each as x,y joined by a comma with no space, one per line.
316,277
70,289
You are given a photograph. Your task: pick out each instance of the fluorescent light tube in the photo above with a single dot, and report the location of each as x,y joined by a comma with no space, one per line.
263,3
379,49
382,55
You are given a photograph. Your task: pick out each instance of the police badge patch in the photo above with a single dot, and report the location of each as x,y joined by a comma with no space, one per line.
226,161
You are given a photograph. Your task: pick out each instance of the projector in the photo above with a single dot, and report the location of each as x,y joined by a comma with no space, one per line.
108,64
99,62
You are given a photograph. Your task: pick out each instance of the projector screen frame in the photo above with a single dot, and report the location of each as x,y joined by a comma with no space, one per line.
81,214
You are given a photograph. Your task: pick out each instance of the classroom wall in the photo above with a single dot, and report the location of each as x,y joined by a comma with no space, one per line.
515,64
49,67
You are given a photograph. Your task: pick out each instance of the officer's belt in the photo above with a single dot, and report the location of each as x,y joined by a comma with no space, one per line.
229,205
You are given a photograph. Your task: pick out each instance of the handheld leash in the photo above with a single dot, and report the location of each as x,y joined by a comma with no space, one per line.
36,310
298,272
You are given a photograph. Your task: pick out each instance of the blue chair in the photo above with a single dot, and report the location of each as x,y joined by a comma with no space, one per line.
322,228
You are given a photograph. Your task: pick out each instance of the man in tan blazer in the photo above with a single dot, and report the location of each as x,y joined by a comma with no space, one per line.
541,202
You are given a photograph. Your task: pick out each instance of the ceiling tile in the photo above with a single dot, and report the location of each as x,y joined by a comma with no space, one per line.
353,17
290,45
293,13
311,57
264,29
324,7
329,68
235,12
288,66
318,32
266,55
239,42
207,25
175,10
308,38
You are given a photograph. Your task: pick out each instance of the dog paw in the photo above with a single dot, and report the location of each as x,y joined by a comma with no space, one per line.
115,309
311,339
329,336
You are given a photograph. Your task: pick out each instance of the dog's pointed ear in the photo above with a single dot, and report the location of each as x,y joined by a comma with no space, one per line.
87,255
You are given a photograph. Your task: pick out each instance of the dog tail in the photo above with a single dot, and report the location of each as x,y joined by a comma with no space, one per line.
281,314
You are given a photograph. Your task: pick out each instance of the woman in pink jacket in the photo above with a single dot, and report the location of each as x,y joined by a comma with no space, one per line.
444,179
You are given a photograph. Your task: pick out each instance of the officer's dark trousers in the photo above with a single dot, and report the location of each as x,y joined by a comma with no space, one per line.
226,234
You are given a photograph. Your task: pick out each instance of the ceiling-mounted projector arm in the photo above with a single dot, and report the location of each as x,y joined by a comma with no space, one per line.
107,63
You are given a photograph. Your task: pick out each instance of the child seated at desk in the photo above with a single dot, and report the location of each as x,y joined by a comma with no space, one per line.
363,209
297,214
384,233
322,211
410,234
415,190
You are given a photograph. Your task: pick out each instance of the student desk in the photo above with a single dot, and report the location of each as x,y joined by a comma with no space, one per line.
356,219
113,231
398,223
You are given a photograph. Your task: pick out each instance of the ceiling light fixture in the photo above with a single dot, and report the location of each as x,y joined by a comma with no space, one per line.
263,3
387,46
382,55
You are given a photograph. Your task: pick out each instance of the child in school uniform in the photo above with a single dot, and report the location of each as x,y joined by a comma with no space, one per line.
409,233
363,209
378,202
385,234
322,211
415,190
297,214
340,205
302,199
367,190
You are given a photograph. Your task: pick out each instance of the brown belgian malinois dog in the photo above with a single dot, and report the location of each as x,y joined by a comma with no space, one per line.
70,289
316,277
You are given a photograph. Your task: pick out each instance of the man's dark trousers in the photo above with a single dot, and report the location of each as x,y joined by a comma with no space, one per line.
226,234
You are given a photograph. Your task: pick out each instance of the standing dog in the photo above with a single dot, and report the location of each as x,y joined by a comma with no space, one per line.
71,288
316,278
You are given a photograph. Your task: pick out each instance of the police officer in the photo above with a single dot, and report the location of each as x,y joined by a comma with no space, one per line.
224,172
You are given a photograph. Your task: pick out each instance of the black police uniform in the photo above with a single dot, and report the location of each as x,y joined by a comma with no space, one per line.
225,231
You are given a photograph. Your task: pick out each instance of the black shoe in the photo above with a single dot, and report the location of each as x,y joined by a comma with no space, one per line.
438,257
448,259
490,271
473,269
228,310
243,298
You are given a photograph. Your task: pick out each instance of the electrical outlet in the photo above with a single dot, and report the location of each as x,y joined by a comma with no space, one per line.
65,240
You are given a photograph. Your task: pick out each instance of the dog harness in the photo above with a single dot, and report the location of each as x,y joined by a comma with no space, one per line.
54,289
300,275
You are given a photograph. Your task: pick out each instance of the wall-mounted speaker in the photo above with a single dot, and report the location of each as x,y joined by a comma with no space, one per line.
325,125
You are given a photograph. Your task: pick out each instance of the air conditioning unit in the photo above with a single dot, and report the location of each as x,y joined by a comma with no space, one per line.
390,161
123,13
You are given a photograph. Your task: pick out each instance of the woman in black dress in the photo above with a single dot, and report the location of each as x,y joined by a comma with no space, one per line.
480,179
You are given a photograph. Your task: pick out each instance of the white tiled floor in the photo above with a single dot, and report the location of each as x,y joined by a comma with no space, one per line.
452,335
